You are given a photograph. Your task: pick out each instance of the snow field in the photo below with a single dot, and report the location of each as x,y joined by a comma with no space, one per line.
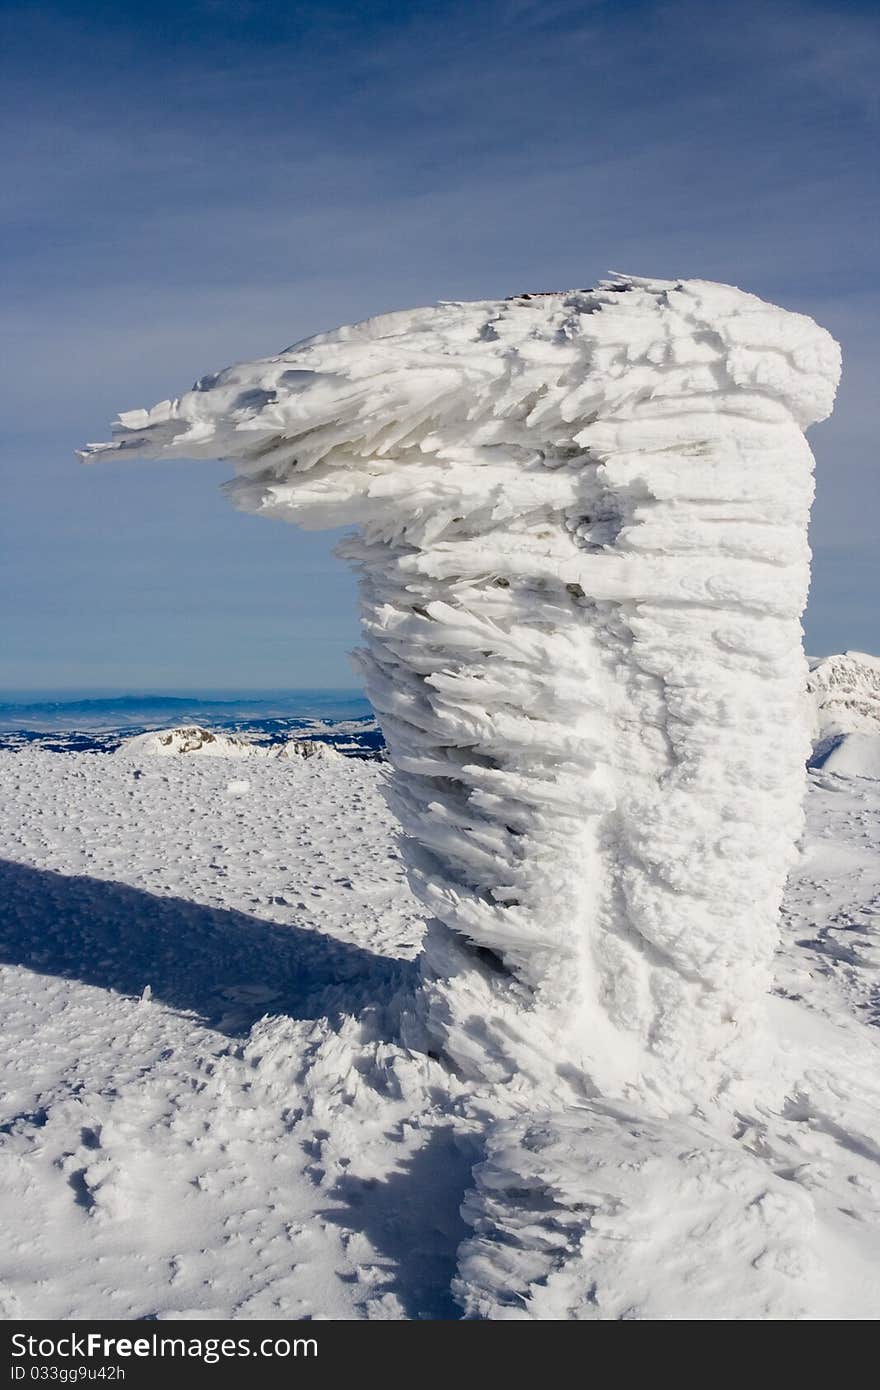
249,1138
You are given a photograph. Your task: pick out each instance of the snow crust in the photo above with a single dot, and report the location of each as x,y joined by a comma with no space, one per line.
582,545
207,743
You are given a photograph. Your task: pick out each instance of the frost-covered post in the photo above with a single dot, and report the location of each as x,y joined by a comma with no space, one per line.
581,534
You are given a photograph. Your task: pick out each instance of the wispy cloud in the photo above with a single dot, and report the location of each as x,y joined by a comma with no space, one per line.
190,183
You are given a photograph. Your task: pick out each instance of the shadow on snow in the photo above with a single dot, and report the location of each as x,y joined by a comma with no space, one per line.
225,967
412,1218
229,969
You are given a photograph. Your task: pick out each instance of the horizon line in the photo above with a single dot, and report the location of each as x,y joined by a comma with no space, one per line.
127,692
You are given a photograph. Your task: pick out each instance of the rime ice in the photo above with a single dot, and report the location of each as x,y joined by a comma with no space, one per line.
581,534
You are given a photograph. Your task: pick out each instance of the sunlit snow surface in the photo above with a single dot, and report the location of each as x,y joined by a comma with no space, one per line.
184,1132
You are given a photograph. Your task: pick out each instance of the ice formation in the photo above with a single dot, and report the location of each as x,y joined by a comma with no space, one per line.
581,534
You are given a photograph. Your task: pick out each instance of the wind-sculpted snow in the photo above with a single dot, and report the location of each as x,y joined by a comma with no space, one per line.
581,534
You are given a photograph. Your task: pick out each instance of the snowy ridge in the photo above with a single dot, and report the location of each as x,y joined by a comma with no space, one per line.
849,755
845,697
845,691
205,743
582,541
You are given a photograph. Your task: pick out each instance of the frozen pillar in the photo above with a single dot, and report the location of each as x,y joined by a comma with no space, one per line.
581,535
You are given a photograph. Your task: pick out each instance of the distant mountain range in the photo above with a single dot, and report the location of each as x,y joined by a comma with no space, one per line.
125,711
341,718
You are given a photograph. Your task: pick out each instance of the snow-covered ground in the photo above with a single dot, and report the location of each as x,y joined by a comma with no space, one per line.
205,1110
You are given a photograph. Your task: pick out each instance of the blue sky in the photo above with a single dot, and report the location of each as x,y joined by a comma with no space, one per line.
190,184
